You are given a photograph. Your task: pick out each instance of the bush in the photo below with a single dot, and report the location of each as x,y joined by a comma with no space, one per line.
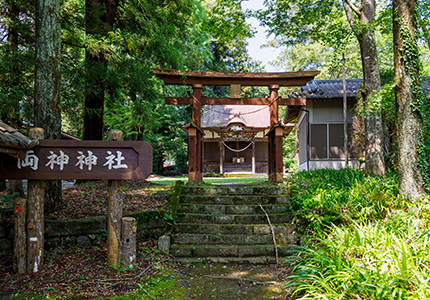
324,197
378,249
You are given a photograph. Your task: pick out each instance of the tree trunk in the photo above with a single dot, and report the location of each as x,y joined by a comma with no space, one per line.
47,82
15,187
97,23
373,126
409,98
11,113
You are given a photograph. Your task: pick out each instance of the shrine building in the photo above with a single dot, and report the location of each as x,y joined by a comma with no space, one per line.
249,135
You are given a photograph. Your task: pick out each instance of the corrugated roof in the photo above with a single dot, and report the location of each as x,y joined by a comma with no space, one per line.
328,89
257,116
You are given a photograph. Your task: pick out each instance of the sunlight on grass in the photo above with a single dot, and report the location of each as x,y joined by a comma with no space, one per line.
210,180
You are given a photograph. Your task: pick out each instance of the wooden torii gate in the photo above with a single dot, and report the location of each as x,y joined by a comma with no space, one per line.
235,80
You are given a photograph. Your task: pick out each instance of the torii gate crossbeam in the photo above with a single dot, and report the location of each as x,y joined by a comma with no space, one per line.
199,79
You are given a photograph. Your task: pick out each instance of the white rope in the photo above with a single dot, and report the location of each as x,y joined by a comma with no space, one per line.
240,150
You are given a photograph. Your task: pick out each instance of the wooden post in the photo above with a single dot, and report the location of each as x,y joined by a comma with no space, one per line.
114,212
35,216
274,119
192,152
270,145
199,155
197,116
253,158
20,241
345,113
128,242
274,114
221,158
197,107
279,164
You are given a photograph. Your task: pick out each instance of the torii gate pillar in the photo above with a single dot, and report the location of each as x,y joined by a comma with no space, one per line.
195,138
275,136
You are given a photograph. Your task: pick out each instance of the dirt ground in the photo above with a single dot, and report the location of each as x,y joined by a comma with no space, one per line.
90,199
83,273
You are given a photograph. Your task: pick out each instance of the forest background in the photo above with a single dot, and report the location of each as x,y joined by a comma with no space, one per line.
108,47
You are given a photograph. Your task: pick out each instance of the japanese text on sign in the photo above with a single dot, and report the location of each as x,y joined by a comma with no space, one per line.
60,159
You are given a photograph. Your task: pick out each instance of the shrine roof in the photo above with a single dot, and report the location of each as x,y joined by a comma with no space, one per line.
333,88
175,77
13,142
252,116
328,89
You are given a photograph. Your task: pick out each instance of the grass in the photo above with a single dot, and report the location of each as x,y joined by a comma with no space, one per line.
379,247
170,181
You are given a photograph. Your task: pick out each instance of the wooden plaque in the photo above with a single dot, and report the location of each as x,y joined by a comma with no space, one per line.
68,159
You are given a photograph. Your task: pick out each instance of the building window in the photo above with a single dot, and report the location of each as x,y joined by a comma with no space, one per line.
318,141
327,141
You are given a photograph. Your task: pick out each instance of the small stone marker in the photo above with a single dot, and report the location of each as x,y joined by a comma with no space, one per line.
128,242
164,244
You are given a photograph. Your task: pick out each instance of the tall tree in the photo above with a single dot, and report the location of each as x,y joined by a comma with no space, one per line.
308,21
99,19
47,82
363,25
410,100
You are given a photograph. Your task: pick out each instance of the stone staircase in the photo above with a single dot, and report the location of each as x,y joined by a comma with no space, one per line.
227,224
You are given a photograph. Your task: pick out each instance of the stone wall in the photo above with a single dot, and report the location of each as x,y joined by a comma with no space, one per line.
88,231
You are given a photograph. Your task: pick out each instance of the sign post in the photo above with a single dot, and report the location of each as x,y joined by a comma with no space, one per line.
114,160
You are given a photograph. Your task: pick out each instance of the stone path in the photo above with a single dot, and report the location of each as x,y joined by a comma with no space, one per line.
224,282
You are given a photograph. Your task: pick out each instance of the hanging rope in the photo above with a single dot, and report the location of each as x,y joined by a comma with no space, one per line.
240,114
237,151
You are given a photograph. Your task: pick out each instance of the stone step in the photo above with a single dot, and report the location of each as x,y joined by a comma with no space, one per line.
228,260
234,228
231,209
235,189
233,199
232,239
231,219
229,250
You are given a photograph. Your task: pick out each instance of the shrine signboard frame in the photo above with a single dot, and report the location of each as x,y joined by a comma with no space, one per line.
68,159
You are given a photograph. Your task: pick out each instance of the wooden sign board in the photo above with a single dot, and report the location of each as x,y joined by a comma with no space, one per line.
67,159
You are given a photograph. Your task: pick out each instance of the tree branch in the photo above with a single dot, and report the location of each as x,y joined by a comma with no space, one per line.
353,7
349,14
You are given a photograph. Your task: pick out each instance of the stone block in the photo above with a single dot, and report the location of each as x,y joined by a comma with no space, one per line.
5,245
52,243
83,241
70,241
181,251
164,244
84,226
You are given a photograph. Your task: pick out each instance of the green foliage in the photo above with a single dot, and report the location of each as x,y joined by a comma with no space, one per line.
386,259
324,197
378,249
289,151
16,61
